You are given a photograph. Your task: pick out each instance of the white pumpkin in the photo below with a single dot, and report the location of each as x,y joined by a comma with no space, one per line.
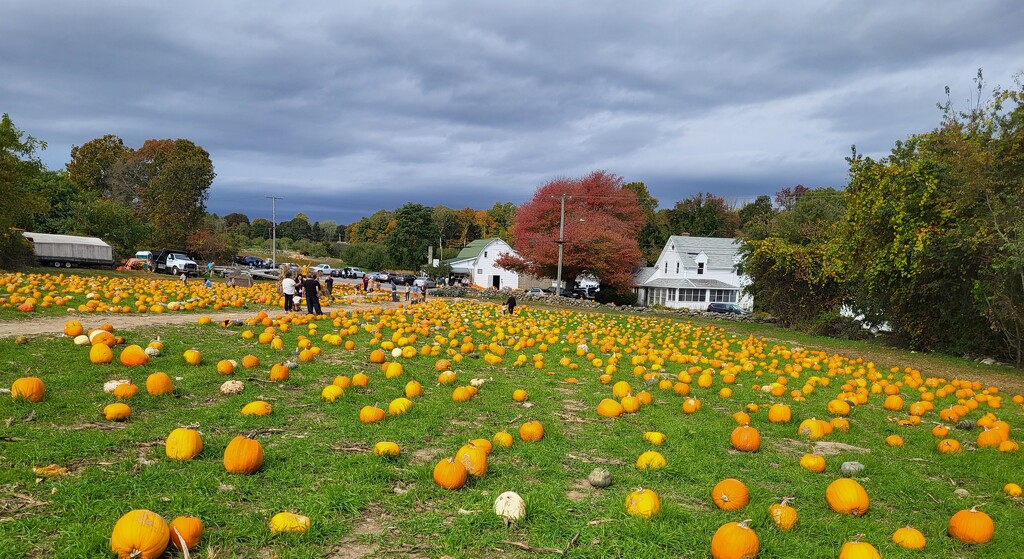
110,385
82,340
152,352
397,352
510,507
232,387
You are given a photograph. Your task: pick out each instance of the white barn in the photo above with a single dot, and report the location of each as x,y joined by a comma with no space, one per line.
476,262
692,272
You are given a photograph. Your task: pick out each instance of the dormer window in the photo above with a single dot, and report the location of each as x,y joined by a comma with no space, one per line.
666,267
700,268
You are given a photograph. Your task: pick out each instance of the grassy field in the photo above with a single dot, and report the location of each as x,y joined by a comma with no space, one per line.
319,461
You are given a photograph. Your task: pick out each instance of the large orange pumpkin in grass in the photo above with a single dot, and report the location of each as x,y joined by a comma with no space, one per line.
159,383
377,356
531,431
413,389
134,356
73,328
183,444
193,357
972,526
360,380
188,529
745,439
243,456
450,474
442,365
125,391
279,372
140,534
609,408
100,354
31,389
846,496
735,540
730,494
250,361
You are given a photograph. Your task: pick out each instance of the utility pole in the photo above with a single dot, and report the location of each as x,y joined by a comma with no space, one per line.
561,242
273,227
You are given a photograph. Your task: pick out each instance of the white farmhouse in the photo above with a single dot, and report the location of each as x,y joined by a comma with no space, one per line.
693,272
475,262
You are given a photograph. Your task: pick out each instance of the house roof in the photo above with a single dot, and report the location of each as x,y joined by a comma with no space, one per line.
684,283
721,252
472,250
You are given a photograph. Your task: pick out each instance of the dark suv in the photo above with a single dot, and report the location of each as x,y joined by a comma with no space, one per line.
727,308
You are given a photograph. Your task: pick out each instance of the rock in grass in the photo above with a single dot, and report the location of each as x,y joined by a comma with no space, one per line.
850,469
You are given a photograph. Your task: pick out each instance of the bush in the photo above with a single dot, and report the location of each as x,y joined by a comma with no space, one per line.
835,325
608,295
16,251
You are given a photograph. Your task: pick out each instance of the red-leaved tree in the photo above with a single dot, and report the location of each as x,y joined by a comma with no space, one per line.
602,223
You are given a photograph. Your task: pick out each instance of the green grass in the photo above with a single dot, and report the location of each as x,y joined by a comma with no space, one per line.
319,463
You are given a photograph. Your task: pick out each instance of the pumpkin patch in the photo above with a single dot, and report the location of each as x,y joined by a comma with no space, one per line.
601,405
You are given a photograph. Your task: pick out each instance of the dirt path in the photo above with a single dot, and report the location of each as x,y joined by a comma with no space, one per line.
54,325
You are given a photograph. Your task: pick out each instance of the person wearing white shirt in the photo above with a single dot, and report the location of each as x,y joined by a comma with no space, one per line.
288,290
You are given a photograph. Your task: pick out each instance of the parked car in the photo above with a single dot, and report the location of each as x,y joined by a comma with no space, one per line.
564,292
727,308
323,269
352,272
403,279
424,282
373,276
536,291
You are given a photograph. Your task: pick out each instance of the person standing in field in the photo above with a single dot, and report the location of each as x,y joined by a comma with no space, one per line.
311,289
329,283
510,305
288,291
366,283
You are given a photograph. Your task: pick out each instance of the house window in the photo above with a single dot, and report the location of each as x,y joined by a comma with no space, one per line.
700,268
666,267
692,295
479,270
723,295
677,267
485,254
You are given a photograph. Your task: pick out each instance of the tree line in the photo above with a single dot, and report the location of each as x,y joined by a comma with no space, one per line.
926,243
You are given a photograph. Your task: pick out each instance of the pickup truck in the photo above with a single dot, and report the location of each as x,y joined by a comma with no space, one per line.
322,269
175,262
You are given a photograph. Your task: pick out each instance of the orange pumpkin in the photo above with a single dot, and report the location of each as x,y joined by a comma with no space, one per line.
730,494
243,456
188,529
450,474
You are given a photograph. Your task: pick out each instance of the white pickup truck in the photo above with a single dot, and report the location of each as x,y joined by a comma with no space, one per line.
322,269
175,262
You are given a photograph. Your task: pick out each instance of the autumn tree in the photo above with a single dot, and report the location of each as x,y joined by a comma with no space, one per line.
19,165
413,232
653,234
756,214
95,163
794,262
602,221
703,215
174,201
503,215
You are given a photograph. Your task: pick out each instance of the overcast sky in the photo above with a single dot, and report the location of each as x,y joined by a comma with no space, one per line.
344,108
